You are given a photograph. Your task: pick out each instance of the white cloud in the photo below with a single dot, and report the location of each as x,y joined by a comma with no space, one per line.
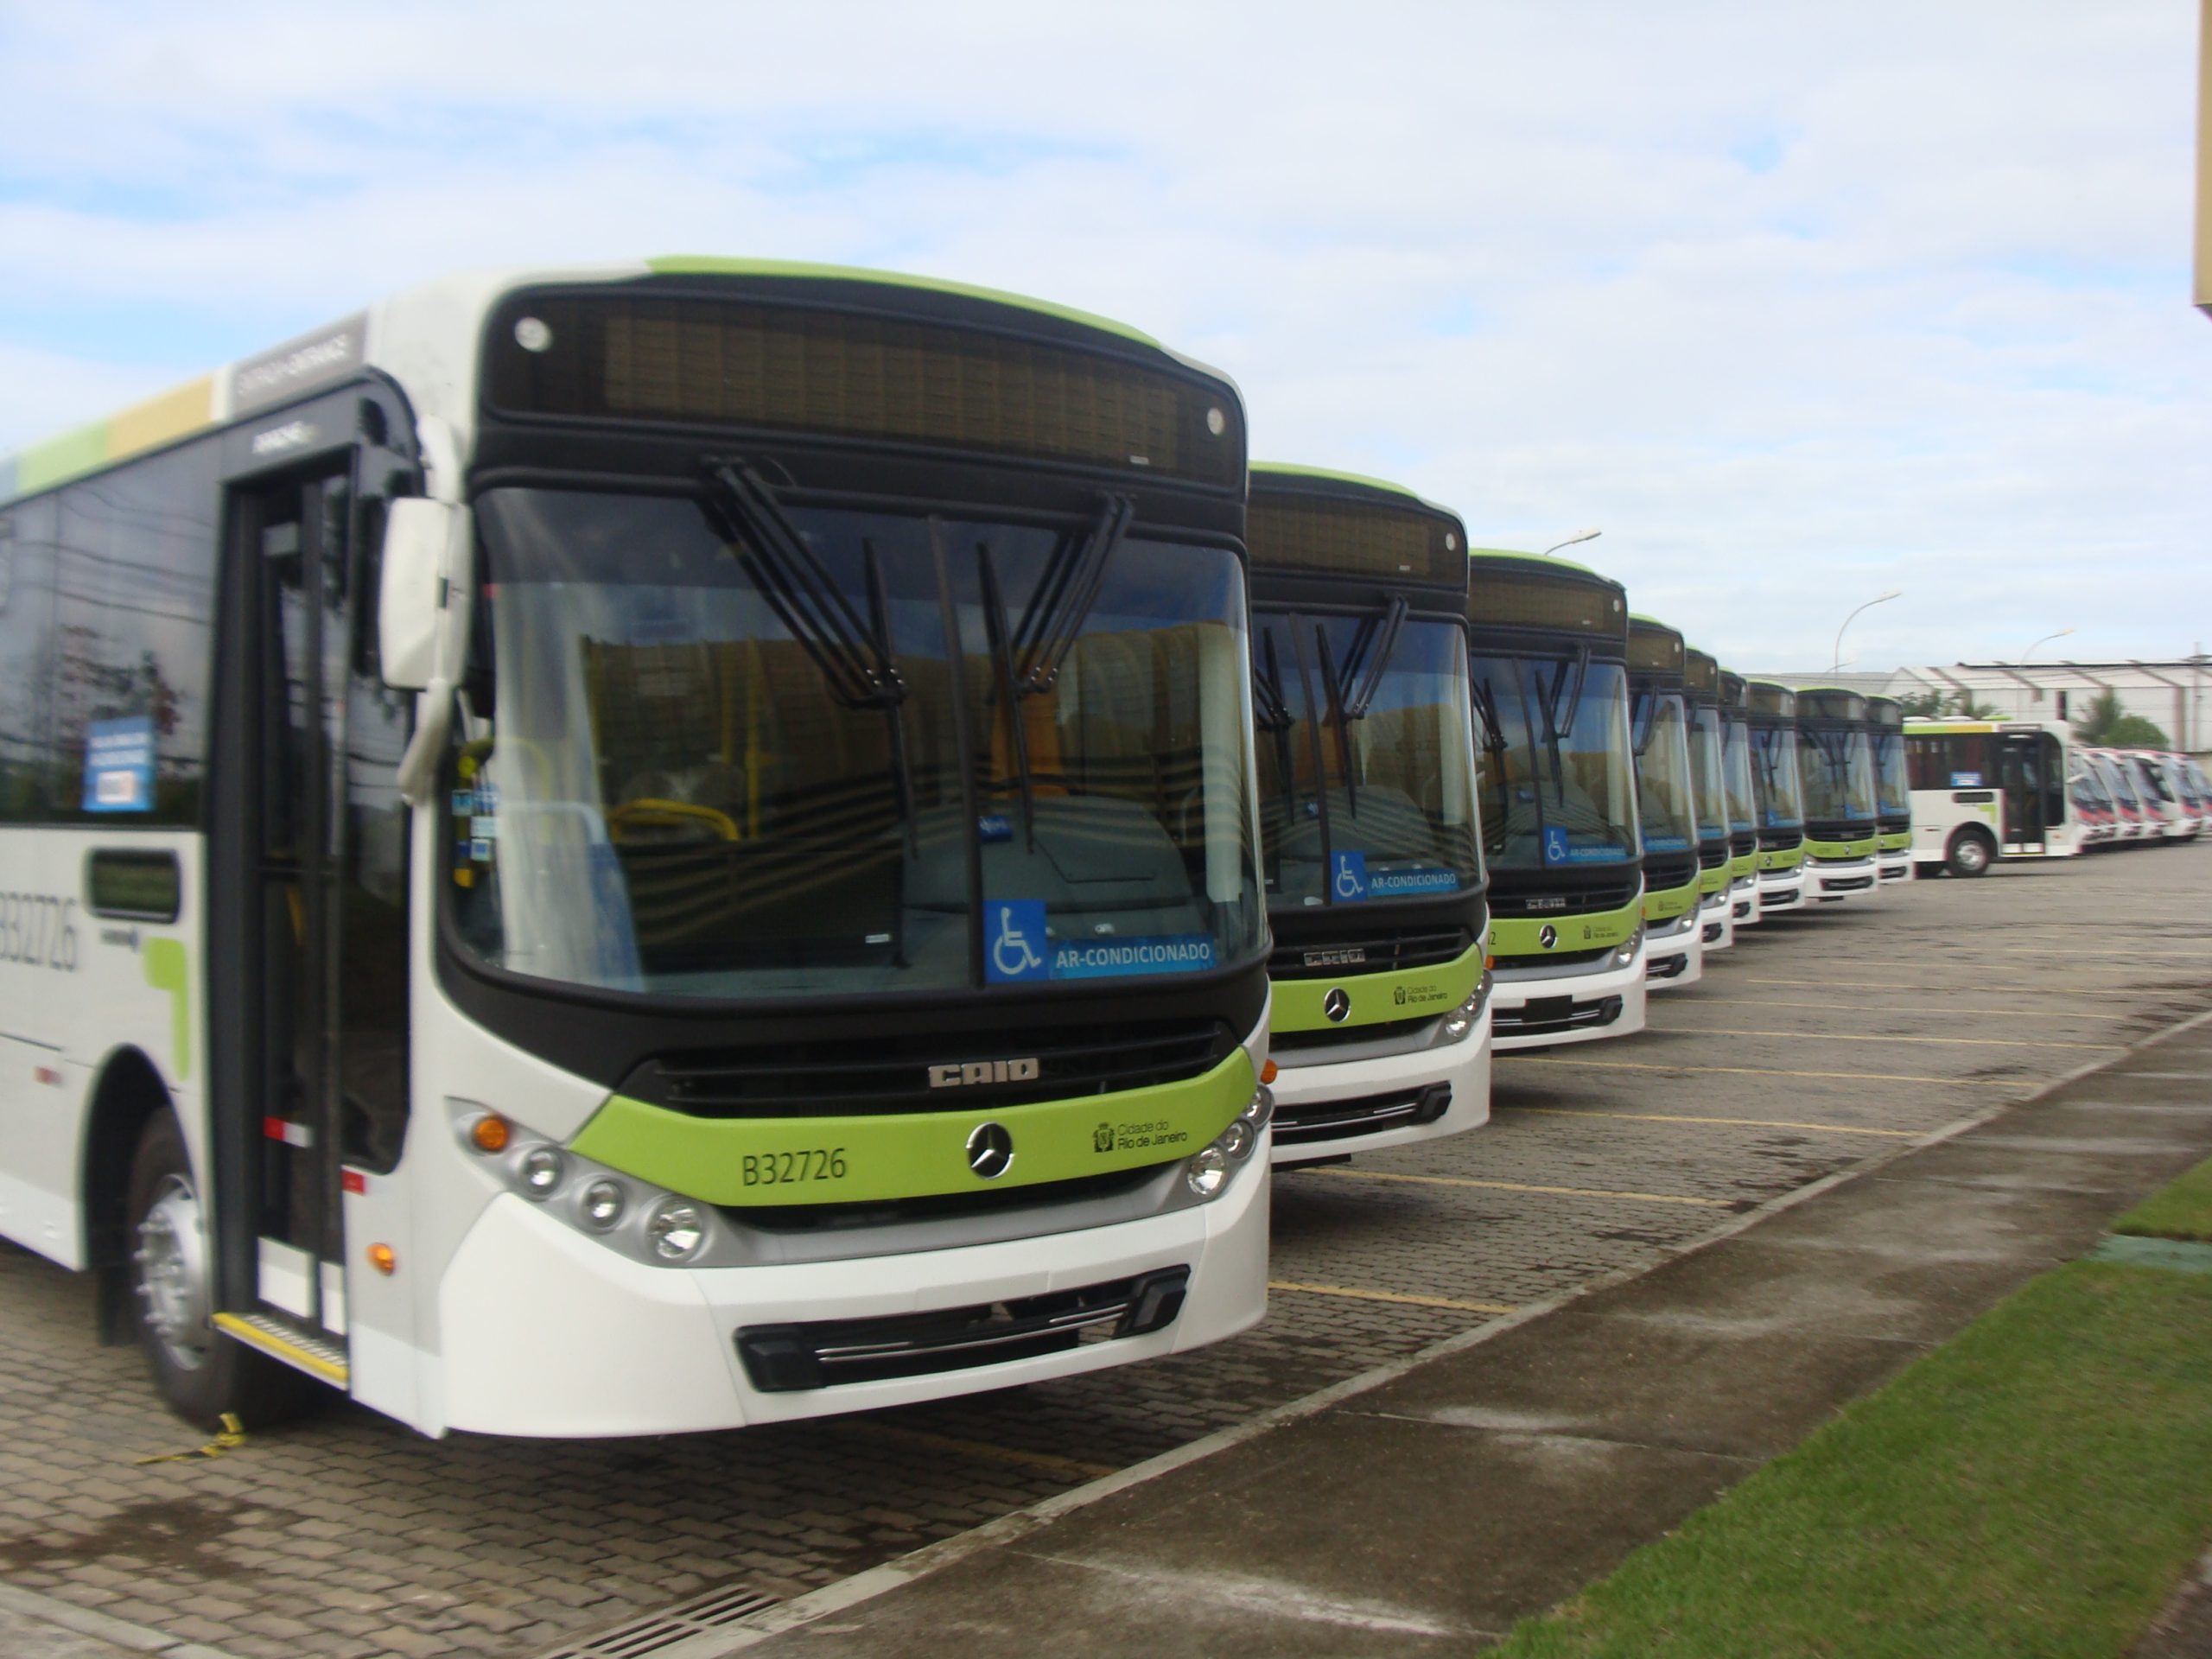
1798,304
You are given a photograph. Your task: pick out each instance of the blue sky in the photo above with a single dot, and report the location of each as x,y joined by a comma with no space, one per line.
1799,304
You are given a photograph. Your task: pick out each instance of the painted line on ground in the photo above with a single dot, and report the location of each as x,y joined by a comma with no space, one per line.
1880,1037
1926,1013
922,1440
1949,990
1741,1122
1522,1187
1394,1296
1778,1072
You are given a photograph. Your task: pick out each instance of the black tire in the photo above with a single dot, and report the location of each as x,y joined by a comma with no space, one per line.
199,1372
1972,853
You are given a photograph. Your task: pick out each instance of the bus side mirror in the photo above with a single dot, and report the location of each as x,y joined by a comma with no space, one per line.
425,572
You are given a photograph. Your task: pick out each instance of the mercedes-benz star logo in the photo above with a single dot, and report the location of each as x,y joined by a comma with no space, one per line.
1548,936
1337,1004
990,1150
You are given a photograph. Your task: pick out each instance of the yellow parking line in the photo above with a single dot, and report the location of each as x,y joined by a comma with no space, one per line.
1933,990
1073,1467
1520,1186
1770,1071
1741,1122
1394,1296
1861,1007
1880,1036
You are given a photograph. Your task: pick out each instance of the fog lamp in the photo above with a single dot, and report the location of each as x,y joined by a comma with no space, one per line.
541,1169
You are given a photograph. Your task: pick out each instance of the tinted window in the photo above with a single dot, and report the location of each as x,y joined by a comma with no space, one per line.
26,674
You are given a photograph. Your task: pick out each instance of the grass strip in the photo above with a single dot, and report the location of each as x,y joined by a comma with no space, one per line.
2182,1210
2036,1487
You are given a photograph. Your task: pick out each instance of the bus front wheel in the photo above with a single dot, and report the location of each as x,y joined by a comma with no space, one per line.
1971,853
201,1373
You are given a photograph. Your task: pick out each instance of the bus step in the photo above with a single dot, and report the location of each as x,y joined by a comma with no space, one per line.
298,1346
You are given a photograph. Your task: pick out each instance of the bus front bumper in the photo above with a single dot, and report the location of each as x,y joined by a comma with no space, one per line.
1674,952
1536,1009
1781,891
1896,866
1717,921
1743,900
1327,1107
1832,880
545,1332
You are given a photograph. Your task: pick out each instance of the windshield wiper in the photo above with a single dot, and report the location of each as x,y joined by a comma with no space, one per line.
1493,726
1272,714
1335,688
855,656
1384,638
1064,598
995,630
1647,721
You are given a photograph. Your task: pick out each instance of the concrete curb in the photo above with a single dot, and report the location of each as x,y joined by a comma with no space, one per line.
932,1558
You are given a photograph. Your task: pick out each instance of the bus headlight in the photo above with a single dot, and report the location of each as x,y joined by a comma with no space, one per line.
1208,1170
1626,953
1238,1140
677,1228
1454,1026
1260,1110
603,1203
541,1169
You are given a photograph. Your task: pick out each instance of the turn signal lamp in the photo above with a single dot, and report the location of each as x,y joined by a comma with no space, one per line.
382,1259
490,1133
1268,1072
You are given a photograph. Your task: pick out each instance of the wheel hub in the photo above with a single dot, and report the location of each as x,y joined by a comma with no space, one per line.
172,1272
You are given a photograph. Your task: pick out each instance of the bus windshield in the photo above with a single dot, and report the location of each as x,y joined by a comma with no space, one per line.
1893,795
1707,773
1556,779
689,773
1366,790
1665,798
1773,778
2118,782
1837,767
2090,788
1743,799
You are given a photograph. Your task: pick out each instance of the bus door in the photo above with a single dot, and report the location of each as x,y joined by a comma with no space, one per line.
295,549
2020,781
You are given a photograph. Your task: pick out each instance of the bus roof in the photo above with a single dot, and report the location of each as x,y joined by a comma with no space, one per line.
1309,521
341,348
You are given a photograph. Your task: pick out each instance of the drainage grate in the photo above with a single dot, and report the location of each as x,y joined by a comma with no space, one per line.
657,1632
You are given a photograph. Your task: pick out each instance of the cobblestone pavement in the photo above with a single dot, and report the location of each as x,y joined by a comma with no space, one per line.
1818,1041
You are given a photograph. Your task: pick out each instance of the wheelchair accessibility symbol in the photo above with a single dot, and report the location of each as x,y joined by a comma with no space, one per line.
1348,878
1555,845
1017,949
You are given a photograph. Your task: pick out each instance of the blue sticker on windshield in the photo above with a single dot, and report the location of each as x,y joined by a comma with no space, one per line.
1014,940
994,826
1348,877
1411,884
1560,848
1167,953
1555,845
1666,844
119,765
1966,780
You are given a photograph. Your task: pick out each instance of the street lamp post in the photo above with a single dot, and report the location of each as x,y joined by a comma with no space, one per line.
2045,640
1579,535
1878,598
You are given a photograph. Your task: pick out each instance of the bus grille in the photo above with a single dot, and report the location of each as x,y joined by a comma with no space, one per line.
787,1358
1583,901
1335,1119
1551,1016
1376,953
892,1073
1285,1042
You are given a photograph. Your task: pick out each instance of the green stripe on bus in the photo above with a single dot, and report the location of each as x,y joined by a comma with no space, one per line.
1665,906
1840,849
1787,858
64,457
1715,880
761,1161
1899,842
1400,993
1523,937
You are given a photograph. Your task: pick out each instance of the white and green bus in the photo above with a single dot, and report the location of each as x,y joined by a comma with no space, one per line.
1368,850
1892,790
1777,789
1549,647
1666,805
1743,800
1984,789
1708,746
639,848
1836,771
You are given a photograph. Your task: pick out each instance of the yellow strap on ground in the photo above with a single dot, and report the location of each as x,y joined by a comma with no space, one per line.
232,1436
1773,1071
1880,1036
1394,1296
1520,1186
1734,1123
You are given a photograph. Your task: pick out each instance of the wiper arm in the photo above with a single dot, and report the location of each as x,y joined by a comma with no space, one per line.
1009,700
1335,688
1493,725
1378,660
1647,721
855,659
1063,600
1275,718
1552,735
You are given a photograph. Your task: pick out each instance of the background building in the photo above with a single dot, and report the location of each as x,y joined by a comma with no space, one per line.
2175,697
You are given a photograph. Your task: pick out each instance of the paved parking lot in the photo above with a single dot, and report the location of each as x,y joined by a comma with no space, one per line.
1817,1041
